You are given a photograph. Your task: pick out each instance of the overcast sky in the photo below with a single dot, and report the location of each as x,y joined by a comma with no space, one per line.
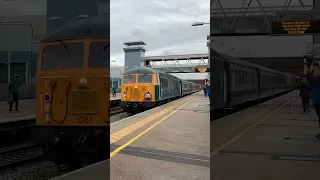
164,25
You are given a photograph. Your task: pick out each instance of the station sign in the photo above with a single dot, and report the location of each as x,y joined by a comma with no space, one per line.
202,70
306,27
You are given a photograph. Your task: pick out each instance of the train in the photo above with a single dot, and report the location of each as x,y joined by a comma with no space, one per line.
235,82
144,88
72,92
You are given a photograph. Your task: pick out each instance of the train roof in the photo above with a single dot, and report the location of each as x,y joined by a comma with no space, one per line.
143,70
94,27
234,60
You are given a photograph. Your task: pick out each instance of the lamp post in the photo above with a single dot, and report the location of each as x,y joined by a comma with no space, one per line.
9,39
208,41
199,23
82,16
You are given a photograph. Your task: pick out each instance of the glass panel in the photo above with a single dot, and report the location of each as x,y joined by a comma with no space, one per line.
129,79
67,56
145,79
99,55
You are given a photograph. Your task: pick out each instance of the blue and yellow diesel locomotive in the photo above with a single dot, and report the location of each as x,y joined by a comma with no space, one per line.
144,88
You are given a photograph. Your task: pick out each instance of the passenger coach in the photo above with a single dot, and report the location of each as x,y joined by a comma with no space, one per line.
241,82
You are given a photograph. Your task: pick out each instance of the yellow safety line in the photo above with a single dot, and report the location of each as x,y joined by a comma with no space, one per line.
145,131
214,152
117,136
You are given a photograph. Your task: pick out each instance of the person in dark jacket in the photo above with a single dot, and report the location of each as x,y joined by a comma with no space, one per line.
205,91
208,90
305,93
14,87
315,93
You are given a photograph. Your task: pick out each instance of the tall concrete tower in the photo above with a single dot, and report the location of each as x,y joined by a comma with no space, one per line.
134,54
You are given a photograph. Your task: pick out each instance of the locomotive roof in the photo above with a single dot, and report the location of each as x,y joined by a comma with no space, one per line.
143,70
94,27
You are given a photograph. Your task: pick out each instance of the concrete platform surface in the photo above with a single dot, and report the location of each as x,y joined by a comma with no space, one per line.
271,141
27,109
172,145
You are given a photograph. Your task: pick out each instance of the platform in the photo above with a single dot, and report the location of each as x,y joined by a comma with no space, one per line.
27,110
168,142
270,141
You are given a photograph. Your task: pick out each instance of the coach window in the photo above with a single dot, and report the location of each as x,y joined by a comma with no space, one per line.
242,78
63,56
99,55
252,78
246,77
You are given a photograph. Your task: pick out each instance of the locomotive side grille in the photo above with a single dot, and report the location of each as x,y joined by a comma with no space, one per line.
135,94
83,101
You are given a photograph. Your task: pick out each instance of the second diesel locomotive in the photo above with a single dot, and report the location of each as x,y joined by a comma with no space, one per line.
144,88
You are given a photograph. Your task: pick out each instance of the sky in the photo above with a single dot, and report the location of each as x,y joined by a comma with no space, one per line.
164,25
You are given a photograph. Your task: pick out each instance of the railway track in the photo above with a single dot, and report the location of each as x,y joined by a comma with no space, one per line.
20,153
116,110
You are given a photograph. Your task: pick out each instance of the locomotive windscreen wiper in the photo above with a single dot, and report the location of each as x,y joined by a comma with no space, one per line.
104,48
143,76
64,45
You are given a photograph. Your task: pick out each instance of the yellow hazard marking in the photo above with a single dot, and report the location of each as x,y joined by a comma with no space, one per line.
151,127
117,136
216,151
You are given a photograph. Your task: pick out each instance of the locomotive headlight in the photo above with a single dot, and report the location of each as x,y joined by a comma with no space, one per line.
47,97
135,87
147,96
46,108
83,81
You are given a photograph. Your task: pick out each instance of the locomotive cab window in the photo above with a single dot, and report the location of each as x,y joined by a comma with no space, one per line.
146,78
156,79
63,56
129,79
99,55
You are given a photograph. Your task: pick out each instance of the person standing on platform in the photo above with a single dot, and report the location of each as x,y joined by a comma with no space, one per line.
305,94
205,91
314,79
208,90
114,91
14,87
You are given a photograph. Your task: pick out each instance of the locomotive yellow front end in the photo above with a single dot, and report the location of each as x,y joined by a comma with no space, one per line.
71,93
138,91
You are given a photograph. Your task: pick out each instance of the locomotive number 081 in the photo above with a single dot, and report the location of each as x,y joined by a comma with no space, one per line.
84,119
